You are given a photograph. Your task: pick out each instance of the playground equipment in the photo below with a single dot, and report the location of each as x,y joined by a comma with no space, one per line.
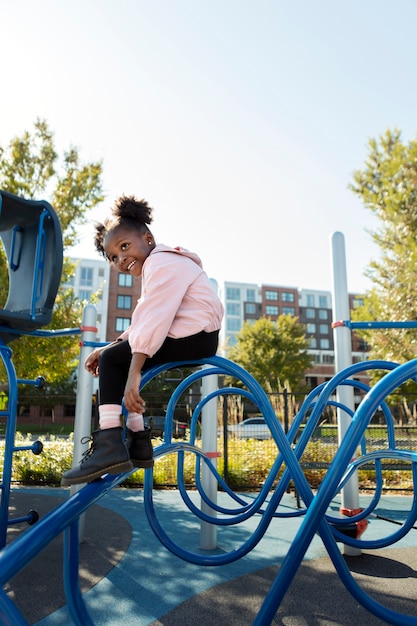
31,235
315,511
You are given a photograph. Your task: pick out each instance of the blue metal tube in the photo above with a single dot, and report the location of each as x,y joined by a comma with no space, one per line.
314,519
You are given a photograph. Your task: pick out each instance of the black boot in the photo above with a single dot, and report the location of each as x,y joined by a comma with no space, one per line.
107,455
140,447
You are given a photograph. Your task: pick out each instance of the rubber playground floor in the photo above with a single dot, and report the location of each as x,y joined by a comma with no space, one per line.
129,578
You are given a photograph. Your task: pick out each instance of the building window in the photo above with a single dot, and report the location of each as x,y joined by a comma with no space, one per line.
250,295
271,295
287,296
122,323
324,344
310,313
101,271
288,310
125,280
357,302
313,342
233,308
232,324
310,300
232,293
250,308
271,310
328,358
84,294
323,302
86,277
323,314
124,302
324,329
311,328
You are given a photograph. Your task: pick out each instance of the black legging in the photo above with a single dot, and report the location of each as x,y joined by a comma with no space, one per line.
115,361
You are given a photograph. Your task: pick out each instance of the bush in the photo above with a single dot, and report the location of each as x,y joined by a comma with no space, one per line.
41,469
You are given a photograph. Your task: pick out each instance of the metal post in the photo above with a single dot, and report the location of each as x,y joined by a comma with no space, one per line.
286,416
208,532
225,441
343,358
82,424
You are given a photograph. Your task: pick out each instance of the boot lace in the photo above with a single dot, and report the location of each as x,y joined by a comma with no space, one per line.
87,453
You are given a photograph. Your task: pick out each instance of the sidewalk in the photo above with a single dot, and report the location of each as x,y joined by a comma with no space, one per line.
131,579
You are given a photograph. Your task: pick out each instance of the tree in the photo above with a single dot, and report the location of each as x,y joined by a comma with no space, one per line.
275,353
30,167
387,186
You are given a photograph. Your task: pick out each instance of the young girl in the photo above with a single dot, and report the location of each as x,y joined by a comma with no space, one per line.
177,317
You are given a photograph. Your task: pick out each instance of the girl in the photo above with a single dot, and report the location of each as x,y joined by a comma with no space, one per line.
177,317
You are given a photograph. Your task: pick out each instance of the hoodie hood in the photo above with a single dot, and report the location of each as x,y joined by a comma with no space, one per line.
178,250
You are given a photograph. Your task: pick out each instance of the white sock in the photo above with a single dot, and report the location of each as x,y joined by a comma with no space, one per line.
134,422
110,415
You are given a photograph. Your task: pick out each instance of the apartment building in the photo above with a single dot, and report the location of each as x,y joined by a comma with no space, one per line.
118,294
248,302
241,301
91,276
124,291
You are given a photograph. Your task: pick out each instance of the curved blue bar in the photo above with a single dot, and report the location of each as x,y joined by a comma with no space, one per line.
316,518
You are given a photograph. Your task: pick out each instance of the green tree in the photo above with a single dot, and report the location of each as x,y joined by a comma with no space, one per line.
275,353
387,186
30,167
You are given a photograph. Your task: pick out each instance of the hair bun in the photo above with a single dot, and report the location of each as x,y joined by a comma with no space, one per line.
129,207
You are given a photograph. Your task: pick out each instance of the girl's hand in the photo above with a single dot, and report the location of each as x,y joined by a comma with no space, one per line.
132,399
91,362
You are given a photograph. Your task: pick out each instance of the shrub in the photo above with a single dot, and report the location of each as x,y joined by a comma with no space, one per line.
249,464
41,469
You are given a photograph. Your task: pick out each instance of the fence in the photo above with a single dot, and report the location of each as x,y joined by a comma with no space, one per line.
247,452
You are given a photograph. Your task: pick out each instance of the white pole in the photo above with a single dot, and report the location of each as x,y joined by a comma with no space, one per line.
208,532
343,358
82,423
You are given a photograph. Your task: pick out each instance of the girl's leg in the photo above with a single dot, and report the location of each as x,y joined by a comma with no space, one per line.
108,453
114,367
189,348
186,349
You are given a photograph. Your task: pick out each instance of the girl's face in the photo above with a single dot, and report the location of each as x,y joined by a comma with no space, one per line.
128,249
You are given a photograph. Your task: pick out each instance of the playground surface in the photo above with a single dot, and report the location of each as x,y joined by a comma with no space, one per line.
129,578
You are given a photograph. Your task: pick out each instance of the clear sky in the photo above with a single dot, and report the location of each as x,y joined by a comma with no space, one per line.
240,121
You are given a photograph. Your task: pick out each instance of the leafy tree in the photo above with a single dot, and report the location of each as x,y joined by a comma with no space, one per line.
31,168
387,186
275,353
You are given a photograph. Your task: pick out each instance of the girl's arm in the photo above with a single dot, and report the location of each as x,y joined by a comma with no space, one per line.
133,401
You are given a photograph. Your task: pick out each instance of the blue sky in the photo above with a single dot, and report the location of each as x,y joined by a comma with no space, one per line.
241,122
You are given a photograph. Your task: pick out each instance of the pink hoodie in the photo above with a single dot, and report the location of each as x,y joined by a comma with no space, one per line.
177,300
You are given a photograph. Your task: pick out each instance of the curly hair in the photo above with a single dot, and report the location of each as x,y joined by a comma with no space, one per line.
128,212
